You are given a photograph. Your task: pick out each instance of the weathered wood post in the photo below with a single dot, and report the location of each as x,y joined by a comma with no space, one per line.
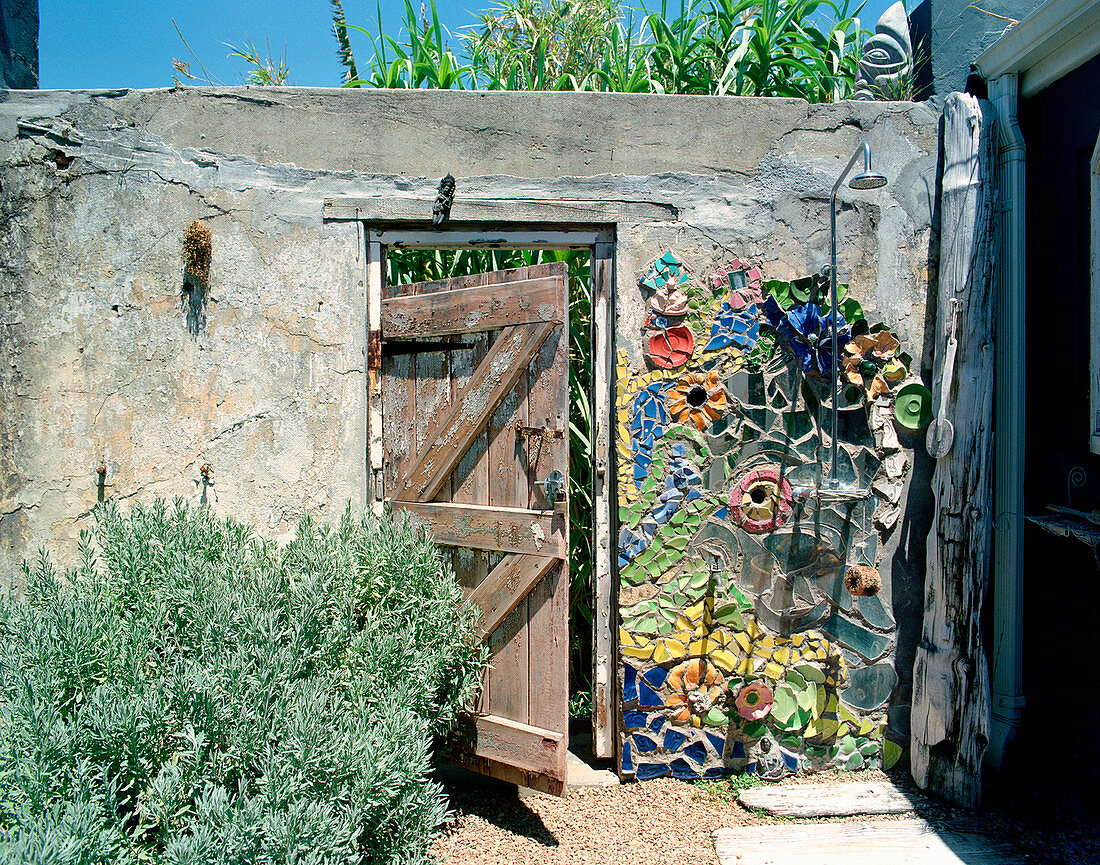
950,720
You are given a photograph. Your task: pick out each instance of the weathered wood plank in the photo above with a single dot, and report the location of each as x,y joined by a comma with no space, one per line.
951,700
472,310
470,481
503,365
506,586
604,668
481,527
548,647
549,211
375,446
548,603
874,842
526,745
829,800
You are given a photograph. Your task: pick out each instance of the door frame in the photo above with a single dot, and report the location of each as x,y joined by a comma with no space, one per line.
599,240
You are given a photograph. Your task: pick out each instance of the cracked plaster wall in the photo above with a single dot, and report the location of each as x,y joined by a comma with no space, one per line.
97,187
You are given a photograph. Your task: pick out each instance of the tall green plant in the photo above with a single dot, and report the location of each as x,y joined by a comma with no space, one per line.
796,48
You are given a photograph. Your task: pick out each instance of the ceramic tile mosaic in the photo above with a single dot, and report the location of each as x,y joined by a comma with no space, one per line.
742,648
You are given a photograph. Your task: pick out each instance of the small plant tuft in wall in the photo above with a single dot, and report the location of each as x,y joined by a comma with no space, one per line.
197,247
197,250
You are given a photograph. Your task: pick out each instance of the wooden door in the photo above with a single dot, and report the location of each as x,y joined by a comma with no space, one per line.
475,399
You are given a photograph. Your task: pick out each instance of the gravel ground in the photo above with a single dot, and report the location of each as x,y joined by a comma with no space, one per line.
669,822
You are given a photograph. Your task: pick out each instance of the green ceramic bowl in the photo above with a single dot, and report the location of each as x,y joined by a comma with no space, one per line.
913,406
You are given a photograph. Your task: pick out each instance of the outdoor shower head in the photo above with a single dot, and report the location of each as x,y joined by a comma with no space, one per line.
866,179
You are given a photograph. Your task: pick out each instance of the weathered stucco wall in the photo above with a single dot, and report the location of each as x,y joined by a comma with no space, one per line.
102,362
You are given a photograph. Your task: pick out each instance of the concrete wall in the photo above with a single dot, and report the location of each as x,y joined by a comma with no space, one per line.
961,31
102,363
19,44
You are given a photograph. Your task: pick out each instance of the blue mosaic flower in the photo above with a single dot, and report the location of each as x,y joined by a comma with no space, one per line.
808,334
739,327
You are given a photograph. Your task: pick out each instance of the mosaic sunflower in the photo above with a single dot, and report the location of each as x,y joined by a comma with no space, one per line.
697,687
697,398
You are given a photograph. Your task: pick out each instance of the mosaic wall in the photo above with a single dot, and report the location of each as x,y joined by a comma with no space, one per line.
756,634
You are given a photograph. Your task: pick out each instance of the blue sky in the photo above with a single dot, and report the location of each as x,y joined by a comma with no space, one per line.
131,43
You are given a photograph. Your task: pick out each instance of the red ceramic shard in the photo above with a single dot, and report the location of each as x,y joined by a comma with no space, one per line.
672,347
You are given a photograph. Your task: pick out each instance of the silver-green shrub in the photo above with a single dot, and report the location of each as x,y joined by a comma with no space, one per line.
192,694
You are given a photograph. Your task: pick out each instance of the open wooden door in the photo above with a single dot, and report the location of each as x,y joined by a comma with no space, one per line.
475,382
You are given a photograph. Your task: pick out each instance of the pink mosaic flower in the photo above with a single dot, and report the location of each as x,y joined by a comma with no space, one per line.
754,701
761,500
669,300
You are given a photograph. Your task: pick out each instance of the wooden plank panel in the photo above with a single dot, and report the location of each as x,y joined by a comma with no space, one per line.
527,746
548,604
899,842
508,692
510,774
470,481
399,407
830,800
548,647
495,277
507,585
472,310
481,527
604,668
502,366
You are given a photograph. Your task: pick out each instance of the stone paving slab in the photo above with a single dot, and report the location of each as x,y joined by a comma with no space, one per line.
877,842
830,800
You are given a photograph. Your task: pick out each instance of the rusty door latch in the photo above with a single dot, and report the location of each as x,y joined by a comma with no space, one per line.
543,432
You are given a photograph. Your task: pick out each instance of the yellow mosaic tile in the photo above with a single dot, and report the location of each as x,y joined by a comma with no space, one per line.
798,639
743,641
783,656
773,671
724,660
767,642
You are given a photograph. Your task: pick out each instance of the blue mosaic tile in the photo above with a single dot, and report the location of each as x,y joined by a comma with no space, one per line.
673,740
627,763
716,772
697,751
718,742
789,759
647,696
634,719
643,744
657,723
681,769
737,751
722,513
630,686
655,677
645,771
750,769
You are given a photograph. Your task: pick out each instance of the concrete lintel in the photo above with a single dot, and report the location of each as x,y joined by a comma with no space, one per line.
497,210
